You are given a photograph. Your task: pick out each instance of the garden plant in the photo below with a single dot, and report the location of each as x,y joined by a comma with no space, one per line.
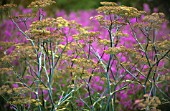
117,60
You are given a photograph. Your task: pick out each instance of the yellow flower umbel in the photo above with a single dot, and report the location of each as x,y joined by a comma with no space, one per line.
7,6
148,103
152,21
116,50
40,29
123,11
21,51
41,3
61,23
4,89
81,67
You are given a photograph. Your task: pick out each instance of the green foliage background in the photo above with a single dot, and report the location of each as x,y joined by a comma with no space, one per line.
75,5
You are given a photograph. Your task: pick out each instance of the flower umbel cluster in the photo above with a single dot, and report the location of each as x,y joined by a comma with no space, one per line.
7,6
148,103
123,11
41,3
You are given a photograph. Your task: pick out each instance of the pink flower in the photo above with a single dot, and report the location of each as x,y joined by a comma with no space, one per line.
146,8
79,103
15,85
